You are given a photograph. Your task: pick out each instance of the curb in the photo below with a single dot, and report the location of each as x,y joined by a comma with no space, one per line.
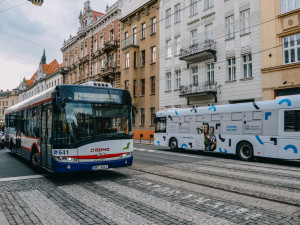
3,220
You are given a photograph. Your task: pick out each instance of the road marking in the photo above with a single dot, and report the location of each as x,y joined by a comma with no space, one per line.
21,178
167,153
45,210
163,205
105,207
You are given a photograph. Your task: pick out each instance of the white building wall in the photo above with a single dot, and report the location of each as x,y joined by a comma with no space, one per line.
241,89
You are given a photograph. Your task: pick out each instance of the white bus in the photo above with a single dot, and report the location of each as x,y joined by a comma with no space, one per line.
73,128
258,129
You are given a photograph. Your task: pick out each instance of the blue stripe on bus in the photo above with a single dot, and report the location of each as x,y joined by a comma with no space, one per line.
259,140
293,147
289,103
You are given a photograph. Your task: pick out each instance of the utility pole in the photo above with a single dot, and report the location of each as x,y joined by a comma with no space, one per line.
37,2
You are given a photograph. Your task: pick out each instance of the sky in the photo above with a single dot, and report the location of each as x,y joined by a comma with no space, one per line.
26,30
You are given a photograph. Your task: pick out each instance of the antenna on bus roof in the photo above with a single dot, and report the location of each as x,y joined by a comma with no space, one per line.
97,84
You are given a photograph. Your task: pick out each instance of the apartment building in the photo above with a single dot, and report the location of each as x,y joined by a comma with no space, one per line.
46,76
140,65
280,34
210,52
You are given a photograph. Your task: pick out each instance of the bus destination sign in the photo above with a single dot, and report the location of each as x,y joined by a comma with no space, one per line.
97,97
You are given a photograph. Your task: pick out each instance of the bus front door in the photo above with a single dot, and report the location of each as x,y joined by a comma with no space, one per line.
46,140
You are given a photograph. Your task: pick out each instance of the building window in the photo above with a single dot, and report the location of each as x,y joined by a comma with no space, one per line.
168,49
134,87
143,31
193,7
209,32
168,82
142,87
152,113
112,35
208,4
152,80
95,45
194,76
101,42
134,60
291,48
177,13
231,69
153,25
245,21
153,54
134,36
194,37
289,5
143,58
210,73
126,60
247,65
127,85
229,23
126,40
85,49
95,68
66,62
168,18
142,116
177,79
177,45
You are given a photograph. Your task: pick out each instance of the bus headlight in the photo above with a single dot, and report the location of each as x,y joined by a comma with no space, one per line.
65,159
126,155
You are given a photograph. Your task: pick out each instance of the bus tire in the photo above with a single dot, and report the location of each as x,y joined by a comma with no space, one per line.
245,151
173,143
34,158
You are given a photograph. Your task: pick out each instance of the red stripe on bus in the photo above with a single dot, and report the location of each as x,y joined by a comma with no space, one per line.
97,157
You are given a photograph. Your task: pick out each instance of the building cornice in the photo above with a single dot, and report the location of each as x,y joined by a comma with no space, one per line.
288,13
281,67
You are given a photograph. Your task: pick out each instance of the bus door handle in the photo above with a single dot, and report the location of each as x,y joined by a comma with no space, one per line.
274,140
164,137
217,126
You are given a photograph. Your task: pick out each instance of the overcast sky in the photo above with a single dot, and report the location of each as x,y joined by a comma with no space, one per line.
27,29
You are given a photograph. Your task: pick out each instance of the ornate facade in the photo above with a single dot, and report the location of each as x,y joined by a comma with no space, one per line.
93,54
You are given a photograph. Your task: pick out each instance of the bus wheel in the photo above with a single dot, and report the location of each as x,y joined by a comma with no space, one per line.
174,144
34,158
245,151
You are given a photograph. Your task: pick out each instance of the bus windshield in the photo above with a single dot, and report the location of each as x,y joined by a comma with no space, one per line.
88,122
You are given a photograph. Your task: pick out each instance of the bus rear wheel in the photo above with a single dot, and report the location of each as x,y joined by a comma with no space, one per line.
245,151
174,144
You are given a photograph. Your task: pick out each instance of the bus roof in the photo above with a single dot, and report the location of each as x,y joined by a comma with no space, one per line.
47,96
292,101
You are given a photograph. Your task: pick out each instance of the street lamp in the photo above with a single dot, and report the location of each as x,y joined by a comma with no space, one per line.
37,2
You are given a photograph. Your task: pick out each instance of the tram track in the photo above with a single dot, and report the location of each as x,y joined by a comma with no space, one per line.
274,194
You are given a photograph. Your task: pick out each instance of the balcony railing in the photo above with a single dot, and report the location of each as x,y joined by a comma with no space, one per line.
206,88
199,51
110,45
130,42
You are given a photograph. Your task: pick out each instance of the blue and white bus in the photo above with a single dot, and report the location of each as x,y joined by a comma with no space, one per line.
259,129
73,128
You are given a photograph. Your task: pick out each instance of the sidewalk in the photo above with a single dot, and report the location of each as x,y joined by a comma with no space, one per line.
144,142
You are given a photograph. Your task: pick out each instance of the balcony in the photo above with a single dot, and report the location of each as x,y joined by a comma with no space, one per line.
199,51
109,71
194,90
64,70
110,46
130,42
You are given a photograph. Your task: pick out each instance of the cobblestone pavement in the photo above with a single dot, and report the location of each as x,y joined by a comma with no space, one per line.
217,192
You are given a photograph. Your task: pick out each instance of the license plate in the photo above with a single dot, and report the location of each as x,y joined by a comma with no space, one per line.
100,167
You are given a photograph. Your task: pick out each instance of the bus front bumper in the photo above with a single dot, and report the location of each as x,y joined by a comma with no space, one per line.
65,167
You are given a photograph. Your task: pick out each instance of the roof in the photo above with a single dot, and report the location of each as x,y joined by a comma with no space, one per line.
5,94
96,14
47,68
